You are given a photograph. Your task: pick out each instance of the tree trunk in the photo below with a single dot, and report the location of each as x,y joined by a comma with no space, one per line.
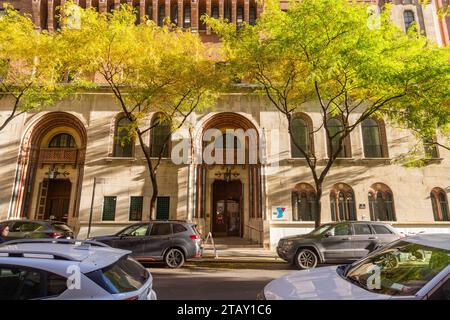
154,195
318,202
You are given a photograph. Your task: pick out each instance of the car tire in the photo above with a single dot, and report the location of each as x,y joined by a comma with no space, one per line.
174,258
306,259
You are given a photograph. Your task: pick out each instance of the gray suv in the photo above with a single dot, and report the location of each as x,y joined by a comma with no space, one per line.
171,241
338,242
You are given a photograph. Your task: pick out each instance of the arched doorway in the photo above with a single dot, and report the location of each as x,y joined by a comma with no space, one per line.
50,169
227,196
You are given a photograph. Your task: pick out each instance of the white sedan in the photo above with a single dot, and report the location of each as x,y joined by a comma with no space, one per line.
416,267
68,269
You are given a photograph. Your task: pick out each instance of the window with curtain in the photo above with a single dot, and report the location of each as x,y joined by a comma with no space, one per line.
371,132
160,138
300,138
408,17
123,144
303,203
335,128
62,140
439,204
381,203
342,202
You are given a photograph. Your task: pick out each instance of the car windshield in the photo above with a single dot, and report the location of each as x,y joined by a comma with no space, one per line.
129,230
401,269
321,229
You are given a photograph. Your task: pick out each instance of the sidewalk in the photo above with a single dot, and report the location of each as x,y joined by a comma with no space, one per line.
229,254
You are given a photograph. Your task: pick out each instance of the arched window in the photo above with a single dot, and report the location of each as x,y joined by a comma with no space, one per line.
336,128
301,127
304,206
342,202
160,137
408,17
62,140
374,142
123,143
439,204
381,203
430,148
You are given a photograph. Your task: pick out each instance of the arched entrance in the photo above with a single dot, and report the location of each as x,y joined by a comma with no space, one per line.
228,198
50,168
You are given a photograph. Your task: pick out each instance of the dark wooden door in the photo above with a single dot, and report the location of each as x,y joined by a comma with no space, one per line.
58,200
227,218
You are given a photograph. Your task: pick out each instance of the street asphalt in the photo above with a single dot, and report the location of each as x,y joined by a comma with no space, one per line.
215,280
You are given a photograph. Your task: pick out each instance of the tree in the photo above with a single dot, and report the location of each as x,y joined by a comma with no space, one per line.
353,64
148,69
31,64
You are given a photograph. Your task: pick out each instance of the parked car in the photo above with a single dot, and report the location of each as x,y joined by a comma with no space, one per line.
337,242
171,241
61,269
416,276
20,229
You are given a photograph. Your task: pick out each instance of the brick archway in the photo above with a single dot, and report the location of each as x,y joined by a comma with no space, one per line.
30,158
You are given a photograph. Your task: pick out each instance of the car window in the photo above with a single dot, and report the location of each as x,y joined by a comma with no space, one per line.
342,229
361,229
442,293
177,228
129,230
55,285
161,229
399,269
379,229
30,227
140,231
16,226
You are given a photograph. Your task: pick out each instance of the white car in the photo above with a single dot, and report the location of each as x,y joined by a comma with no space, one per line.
70,269
416,267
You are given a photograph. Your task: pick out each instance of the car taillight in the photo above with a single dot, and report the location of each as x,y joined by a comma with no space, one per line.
194,237
132,298
54,234
402,235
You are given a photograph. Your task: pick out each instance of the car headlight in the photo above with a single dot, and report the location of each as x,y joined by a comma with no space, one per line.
288,243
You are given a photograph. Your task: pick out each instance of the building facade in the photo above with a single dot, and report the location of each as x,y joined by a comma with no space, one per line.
66,163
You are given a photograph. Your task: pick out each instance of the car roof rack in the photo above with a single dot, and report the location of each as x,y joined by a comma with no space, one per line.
85,243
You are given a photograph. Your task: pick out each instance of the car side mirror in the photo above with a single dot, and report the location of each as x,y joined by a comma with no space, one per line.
328,234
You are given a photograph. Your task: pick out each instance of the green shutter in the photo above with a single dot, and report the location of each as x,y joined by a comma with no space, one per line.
109,208
162,208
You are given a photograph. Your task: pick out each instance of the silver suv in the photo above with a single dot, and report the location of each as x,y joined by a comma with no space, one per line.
69,269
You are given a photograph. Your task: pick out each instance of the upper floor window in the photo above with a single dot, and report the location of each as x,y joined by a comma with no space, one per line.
187,17
252,15
304,206
161,15
381,203
215,12
227,10
174,14
123,143
408,17
150,12
439,204
160,137
239,15
373,139
301,137
430,148
62,140
342,203
336,130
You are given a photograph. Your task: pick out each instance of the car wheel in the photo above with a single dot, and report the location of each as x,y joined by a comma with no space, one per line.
306,259
390,261
174,258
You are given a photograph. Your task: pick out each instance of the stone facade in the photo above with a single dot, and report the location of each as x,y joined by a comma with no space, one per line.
91,119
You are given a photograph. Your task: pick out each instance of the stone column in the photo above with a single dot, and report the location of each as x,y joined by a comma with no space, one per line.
180,13
247,11
194,15
51,17
259,9
102,6
221,8
167,7
208,12
63,2
233,11
155,11
36,13
88,3
142,10
116,4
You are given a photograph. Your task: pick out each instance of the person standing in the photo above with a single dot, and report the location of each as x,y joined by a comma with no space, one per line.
4,231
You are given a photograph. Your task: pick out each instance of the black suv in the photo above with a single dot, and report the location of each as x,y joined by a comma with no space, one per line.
20,229
339,242
171,241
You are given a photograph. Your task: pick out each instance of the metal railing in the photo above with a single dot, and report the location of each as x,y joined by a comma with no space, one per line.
257,230
210,236
58,155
